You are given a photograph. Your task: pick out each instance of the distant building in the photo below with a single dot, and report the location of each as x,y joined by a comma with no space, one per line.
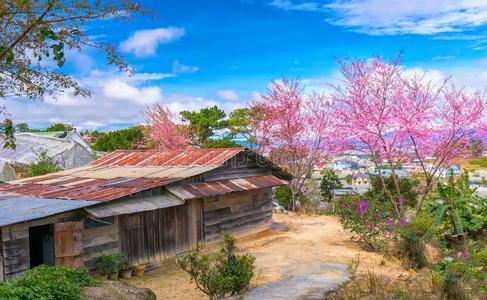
412,167
360,179
451,170
90,139
388,172
345,165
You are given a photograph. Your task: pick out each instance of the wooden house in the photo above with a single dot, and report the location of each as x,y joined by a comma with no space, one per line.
150,205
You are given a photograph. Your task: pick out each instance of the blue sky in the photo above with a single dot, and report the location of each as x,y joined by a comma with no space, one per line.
225,52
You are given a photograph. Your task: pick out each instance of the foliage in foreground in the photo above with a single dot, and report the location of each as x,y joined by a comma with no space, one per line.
47,282
458,209
373,221
221,274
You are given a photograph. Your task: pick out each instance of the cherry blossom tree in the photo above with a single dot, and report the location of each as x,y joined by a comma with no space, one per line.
398,117
294,129
163,131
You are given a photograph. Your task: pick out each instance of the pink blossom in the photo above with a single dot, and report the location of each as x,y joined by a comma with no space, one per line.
362,207
464,253
396,117
163,131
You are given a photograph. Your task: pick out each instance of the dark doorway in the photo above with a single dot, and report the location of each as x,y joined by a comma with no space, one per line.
41,245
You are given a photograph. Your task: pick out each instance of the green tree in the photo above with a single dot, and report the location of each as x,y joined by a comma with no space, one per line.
22,127
241,123
203,123
124,139
35,32
407,187
329,182
220,143
284,196
60,127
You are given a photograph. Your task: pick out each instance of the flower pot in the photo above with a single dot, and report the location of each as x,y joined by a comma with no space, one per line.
139,270
101,276
126,274
113,276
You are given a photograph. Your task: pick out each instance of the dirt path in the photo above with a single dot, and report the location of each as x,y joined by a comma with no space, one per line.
299,252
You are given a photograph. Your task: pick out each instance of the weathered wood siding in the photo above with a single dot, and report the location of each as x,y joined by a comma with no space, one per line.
239,166
237,213
2,276
163,233
15,242
98,241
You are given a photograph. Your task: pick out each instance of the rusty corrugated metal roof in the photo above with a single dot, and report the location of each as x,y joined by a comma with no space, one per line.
190,157
121,173
219,187
81,188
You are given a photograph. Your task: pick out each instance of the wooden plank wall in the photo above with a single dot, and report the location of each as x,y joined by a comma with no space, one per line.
239,166
2,276
237,213
98,241
160,234
15,242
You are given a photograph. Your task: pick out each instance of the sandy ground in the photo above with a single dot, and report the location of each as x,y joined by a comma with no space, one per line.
297,244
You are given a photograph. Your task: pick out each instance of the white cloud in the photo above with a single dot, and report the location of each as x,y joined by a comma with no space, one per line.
389,17
118,89
179,68
303,6
118,100
230,95
145,42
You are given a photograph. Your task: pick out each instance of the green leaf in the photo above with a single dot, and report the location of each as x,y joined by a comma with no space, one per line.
457,221
440,214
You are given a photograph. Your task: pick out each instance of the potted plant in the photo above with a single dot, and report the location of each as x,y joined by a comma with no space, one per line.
124,266
139,270
113,267
102,267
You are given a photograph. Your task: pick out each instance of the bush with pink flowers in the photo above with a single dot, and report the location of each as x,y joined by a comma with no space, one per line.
373,222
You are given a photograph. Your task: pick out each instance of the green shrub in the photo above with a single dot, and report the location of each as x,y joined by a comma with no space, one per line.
43,165
284,196
452,289
407,187
222,274
240,269
374,222
108,264
413,249
47,283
